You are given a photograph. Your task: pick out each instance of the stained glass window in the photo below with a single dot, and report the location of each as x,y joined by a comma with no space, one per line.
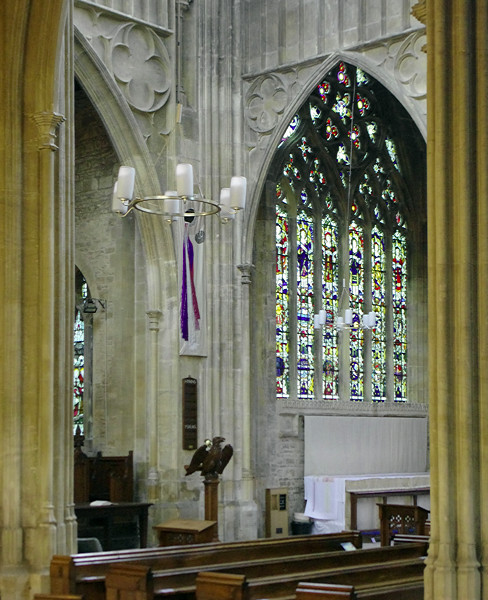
378,296
282,312
79,355
305,305
330,303
356,302
341,243
399,301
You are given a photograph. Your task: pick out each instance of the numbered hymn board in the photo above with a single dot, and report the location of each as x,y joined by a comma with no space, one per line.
190,429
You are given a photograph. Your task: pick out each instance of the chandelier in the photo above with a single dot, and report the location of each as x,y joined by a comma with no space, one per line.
180,203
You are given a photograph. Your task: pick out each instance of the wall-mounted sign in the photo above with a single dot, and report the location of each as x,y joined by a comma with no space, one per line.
190,425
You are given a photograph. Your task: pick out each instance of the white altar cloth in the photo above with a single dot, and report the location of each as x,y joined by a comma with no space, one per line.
327,498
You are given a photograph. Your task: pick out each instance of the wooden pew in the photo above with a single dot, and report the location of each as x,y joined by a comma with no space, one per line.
375,573
279,577
409,538
57,597
330,591
85,573
135,580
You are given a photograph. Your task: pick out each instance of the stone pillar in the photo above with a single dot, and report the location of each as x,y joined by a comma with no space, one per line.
36,294
457,38
152,416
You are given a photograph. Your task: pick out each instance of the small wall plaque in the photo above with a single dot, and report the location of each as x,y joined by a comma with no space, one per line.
190,425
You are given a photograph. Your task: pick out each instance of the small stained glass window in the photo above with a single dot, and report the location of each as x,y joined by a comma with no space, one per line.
79,355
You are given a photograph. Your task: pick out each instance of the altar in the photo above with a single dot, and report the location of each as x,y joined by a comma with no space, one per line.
353,463
337,503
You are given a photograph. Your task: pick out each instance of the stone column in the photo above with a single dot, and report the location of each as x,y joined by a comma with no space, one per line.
40,536
457,36
152,414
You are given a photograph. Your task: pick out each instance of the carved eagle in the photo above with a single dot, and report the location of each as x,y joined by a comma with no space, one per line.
210,459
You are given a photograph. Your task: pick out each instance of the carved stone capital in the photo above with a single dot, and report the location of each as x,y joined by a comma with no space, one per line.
154,317
246,273
184,4
419,11
47,125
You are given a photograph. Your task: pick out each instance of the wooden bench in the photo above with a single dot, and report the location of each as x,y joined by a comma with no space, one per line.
401,590
372,570
270,577
85,573
57,597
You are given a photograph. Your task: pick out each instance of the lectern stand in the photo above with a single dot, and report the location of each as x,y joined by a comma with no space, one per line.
181,532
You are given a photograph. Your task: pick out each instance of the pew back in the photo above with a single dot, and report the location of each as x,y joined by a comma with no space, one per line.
329,591
85,573
369,576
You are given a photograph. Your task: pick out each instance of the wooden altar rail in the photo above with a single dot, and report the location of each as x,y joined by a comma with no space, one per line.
356,495
85,573
401,590
368,571
275,578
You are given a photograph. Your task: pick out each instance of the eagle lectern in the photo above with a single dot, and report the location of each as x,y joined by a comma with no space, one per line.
211,459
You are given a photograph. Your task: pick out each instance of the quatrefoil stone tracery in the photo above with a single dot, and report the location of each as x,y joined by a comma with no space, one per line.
140,64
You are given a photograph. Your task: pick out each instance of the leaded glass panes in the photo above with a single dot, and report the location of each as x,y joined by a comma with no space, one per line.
345,210
399,302
282,306
79,361
305,305
378,305
356,302
330,276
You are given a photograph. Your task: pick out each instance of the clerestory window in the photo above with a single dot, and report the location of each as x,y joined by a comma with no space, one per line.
342,240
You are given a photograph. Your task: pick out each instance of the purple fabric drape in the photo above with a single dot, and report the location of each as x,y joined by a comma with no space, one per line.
188,257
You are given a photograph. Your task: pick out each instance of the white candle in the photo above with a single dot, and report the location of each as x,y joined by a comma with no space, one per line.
226,212
348,317
238,192
316,321
372,319
184,179
172,204
322,317
225,197
125,183
117,205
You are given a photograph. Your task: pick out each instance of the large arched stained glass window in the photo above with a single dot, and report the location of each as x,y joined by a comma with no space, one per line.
342,239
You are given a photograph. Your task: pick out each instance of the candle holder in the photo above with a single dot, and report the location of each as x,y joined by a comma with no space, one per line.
181,203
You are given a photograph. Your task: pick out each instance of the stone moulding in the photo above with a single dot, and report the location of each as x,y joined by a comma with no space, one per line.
345,408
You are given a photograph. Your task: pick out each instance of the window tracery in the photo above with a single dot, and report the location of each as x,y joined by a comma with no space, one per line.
340,217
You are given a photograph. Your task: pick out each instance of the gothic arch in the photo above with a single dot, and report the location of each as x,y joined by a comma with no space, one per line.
265,140
130,146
